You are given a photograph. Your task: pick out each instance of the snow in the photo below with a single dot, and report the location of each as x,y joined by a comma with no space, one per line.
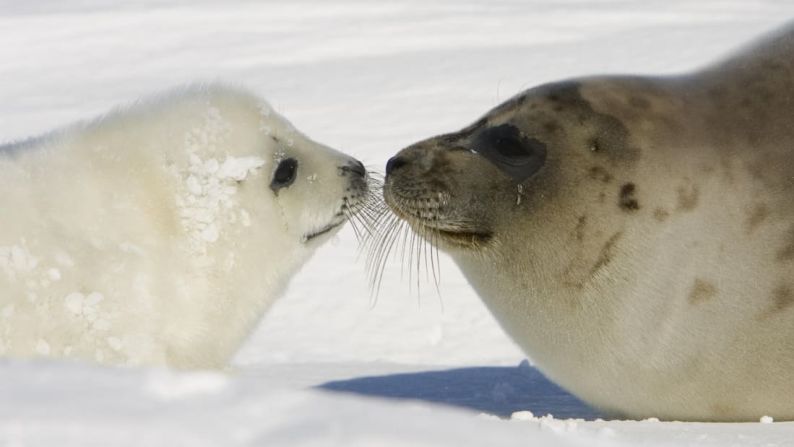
207,199
210,186
334,363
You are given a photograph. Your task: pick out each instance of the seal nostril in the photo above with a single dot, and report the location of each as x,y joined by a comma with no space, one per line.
356,167
395,163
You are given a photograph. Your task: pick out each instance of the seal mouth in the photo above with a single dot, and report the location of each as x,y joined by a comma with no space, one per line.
349,210
431,225
339,219
358,196
462,238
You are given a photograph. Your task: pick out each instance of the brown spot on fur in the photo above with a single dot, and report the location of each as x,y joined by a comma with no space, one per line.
701,291
610,133
782,299
687,197
606,254
579,231
627,201
660,214
600,174
787,252
756,216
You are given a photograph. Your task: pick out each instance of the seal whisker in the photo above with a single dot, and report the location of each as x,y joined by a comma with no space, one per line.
350,217
435,263
363,217
381,247
418,243
408,259
389,244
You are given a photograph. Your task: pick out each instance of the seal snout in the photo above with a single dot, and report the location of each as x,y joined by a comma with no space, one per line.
420,188
358,181
354,166
355,198
395,163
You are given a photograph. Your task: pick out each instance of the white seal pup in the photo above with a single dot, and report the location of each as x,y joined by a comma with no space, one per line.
161,233
634,235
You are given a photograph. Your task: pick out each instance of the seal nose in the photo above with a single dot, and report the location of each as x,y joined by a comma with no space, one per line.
355,166
395,162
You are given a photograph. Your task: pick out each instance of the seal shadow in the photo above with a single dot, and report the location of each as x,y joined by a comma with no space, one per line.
499,391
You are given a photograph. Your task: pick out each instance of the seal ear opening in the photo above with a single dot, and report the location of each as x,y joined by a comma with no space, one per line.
511,151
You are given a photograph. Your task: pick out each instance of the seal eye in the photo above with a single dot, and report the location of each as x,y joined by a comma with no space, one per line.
515,154
512,150
285,174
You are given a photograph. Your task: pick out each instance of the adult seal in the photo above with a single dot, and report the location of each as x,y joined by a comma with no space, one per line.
161,233
634,235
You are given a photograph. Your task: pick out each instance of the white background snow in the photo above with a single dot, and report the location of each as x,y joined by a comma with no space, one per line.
368,78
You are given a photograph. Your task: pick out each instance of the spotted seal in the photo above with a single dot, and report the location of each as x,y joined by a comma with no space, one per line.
633,234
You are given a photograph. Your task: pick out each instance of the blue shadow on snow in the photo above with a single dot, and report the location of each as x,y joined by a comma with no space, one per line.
500,391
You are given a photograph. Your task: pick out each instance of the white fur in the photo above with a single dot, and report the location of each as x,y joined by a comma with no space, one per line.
151,235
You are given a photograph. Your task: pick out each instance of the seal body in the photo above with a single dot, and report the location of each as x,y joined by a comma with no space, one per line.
161,233
634,235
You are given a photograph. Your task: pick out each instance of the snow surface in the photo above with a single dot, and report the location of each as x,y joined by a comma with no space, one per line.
329,367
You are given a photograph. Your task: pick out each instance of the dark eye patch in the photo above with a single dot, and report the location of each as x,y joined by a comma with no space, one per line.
515,154
285,174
